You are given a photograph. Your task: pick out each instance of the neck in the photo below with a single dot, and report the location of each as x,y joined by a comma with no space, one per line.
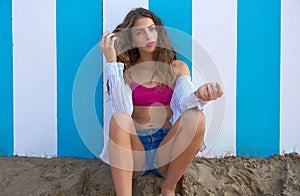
145,57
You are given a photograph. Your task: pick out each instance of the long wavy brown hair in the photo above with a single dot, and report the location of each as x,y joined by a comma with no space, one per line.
163,55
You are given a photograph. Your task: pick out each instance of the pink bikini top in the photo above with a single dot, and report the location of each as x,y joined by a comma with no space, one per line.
150,96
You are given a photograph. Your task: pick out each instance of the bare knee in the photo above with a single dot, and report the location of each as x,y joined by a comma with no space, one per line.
194,121
120,123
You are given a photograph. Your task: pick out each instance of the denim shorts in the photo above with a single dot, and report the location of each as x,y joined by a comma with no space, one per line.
151,139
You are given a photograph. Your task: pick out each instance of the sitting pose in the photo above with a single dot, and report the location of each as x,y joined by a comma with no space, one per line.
157,124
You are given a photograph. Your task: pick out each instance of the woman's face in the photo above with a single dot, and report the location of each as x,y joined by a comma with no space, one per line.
144,35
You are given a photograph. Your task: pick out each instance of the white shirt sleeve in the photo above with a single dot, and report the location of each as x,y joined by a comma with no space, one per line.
120,93
184,98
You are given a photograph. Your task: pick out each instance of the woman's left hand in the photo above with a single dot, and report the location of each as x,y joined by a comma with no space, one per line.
210,91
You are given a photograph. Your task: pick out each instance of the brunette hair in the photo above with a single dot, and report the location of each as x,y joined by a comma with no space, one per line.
163,55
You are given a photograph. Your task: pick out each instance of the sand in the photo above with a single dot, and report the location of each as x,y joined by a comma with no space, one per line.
277,175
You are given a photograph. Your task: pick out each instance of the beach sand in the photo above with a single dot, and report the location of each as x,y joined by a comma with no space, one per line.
276,175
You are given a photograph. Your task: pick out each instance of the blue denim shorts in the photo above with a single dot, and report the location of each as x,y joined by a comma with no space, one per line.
151,139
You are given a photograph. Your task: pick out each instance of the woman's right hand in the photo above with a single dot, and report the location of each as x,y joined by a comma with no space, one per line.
210,91
107,46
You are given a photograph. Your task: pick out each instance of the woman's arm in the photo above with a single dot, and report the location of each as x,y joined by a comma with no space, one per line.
185,97
119,93
185,93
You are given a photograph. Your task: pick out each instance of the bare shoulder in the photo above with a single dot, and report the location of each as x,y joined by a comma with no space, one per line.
181,68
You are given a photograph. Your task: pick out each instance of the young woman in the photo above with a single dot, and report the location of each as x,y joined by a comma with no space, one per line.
157,123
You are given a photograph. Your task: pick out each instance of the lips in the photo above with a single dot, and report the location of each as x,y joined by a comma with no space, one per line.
150,44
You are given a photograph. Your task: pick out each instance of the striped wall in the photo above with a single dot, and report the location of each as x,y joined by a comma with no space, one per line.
52,104
34,56
79,28
258,78
290,76
6,79
221,47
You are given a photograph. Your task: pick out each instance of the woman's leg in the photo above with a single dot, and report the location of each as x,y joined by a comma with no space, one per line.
179,148
125,152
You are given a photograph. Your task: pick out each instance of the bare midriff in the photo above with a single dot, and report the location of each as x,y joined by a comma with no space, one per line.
146,117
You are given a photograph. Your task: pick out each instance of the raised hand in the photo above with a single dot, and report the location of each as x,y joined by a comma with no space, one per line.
210,91
107,46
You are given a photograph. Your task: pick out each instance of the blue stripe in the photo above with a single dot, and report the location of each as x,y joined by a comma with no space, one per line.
258,78
177,14
6,79
79,27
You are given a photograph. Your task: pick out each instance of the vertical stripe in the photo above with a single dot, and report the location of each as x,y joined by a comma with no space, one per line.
6,79
214,30
79,27
178,15
290,74
113,16
34,78
258,77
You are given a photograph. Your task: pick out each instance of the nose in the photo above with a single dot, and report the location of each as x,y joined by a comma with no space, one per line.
148,34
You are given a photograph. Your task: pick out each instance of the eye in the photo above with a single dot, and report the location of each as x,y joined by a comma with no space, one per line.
153,28
138,33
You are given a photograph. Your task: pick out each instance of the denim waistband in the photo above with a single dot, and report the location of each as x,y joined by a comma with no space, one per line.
152,135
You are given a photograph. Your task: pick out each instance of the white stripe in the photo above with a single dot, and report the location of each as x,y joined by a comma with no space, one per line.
34,28
290,75
214,27
114,12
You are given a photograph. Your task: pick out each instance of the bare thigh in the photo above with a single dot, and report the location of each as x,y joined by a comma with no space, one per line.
124,142
172,146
